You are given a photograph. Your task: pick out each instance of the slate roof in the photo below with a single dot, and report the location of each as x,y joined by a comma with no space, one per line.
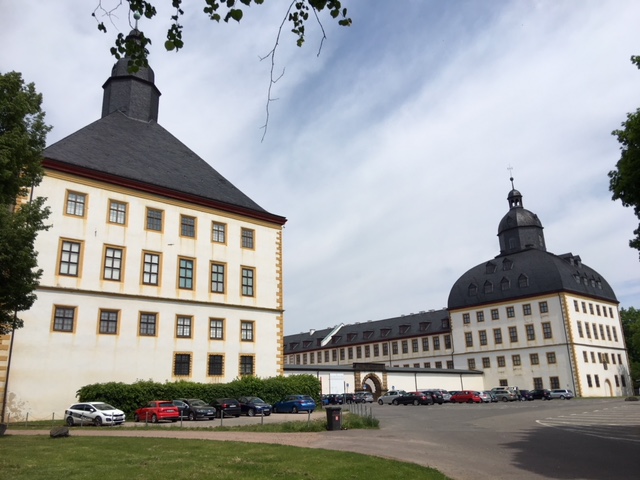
147,154
405,326
545,273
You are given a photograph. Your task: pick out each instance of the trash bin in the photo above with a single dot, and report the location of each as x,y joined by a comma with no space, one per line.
334,417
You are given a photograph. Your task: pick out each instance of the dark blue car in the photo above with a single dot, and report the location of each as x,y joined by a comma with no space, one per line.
295,404
251,406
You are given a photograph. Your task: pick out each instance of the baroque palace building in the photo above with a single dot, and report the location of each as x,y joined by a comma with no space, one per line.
155,267
526,318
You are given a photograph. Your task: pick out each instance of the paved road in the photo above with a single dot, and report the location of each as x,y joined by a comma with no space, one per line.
574,439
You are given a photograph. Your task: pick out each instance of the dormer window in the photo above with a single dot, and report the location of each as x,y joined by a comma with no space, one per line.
523,281
367,334
293,345
405,328
488,287
505,284
384,332
424,326
307,343
351,337
507,265
445,323
473,290
490,267
336,338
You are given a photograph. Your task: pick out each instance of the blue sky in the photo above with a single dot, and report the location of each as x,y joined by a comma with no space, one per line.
388,151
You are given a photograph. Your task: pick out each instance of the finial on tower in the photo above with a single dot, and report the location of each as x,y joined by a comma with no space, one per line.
136,17
510,168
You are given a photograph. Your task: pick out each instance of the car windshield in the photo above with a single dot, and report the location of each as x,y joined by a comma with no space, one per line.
198,403
103,406
166,404
254,400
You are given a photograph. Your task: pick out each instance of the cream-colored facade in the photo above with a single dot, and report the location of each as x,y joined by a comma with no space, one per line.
549,341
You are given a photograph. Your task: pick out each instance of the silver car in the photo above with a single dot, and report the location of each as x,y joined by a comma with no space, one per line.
562,394
389,396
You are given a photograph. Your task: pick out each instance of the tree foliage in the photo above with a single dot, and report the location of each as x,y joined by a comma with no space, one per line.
630,319
297,14
625,179
22,138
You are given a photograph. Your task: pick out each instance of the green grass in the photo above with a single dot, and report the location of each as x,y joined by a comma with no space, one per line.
109,458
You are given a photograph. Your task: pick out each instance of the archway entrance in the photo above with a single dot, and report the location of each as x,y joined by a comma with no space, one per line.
372,383
608,388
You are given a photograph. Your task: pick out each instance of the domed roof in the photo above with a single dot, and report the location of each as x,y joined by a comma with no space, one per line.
518,217
524,274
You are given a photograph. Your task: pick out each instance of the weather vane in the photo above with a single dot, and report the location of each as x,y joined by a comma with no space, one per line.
510,168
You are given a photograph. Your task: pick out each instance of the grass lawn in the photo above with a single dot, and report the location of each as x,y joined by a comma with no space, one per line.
110,458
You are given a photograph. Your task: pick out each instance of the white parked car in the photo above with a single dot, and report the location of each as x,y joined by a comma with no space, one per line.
97,413
389,396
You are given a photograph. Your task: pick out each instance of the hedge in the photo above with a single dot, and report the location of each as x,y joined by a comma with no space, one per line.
130,397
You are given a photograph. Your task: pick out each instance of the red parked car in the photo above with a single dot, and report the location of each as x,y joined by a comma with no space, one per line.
466,396
157,410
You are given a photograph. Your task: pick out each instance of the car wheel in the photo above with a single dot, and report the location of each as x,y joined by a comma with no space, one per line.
70,421
192,416
469,401
504,399
380,402
136,418
294,410
251,412
416,402
154,418
562,397
267,414
174,420
97,421
395,402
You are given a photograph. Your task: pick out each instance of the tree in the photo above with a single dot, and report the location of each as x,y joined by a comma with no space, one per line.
625,180
135,49
22,138
630,319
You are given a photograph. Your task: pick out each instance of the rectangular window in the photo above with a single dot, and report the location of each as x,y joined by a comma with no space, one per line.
623,381
436,343
450,364
108,322
526,309
515,359
438,364
555,382
575,306
447,341
480,316
585,356
427,364
246,365
616,379
544,308
187,226
215,365
367,351
425,344
182,364
531,333
608,333
350,353
217,277
466,318
414,345
183,326
598,310
468,338
326,356
385,349
69,258
511,312
216,329
537,383
482,334
342,354
247,281
117,212
394,348
112,264
148,324
154,219
584,307
471,363
513,334
405,346
64,319
534,359
551,357
486,362
593,357
334,355
218,232
587,329
376,350
247,238
501,361
359,352
76,204
185,273
495,314
615,334
246,329
591,308
546,330
601,331
497,335
595,331
151,269
589,381
580,334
